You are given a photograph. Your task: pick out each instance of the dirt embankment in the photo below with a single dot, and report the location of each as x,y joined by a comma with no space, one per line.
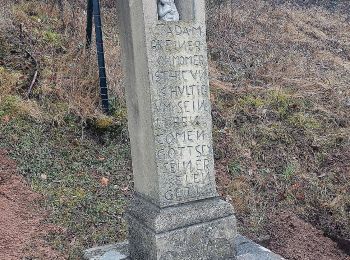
22,227
296,239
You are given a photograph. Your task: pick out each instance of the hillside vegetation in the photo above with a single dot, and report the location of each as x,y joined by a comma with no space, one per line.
280,76
282,115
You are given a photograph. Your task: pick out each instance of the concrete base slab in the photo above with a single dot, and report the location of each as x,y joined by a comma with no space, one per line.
119,251
248,250
245,248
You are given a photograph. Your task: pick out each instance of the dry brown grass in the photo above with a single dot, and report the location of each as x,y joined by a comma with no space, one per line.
282,124
8,79
68,74
282,46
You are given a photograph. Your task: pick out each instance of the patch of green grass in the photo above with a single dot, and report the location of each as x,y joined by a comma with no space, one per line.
52,37
283,102
68,171
252,101
234,168
10,105
289,172
304,121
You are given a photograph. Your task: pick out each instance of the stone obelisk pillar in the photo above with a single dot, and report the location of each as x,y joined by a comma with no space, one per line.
176,212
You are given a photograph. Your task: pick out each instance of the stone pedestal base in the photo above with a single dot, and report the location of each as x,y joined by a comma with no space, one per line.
197,230
245,249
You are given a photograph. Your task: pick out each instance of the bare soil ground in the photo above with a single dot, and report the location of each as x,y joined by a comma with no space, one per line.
22,227
296,239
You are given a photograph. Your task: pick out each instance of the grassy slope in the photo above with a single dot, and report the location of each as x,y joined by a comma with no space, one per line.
283,113
280,80
84,182
77,158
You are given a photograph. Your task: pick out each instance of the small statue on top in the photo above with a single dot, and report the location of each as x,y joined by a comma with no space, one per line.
167,11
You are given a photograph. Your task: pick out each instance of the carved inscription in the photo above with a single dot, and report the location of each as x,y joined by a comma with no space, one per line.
181,112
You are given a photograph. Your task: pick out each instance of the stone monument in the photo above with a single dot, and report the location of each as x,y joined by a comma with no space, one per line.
176,212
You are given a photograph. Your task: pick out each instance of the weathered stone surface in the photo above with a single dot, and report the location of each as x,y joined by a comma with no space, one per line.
186,9
205,241
248,250
116,252
176,213
179,216
245,248
196,230
181,112
169,110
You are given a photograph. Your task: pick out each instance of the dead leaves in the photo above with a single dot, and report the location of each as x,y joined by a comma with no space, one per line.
104,181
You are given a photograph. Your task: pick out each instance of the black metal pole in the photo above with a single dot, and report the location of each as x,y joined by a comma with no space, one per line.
100,56
89,11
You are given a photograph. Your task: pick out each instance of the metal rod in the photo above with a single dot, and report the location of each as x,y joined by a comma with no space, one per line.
100,56
89,11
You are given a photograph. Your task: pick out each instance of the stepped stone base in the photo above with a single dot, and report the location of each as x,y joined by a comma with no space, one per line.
245,250
199,230
203,229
